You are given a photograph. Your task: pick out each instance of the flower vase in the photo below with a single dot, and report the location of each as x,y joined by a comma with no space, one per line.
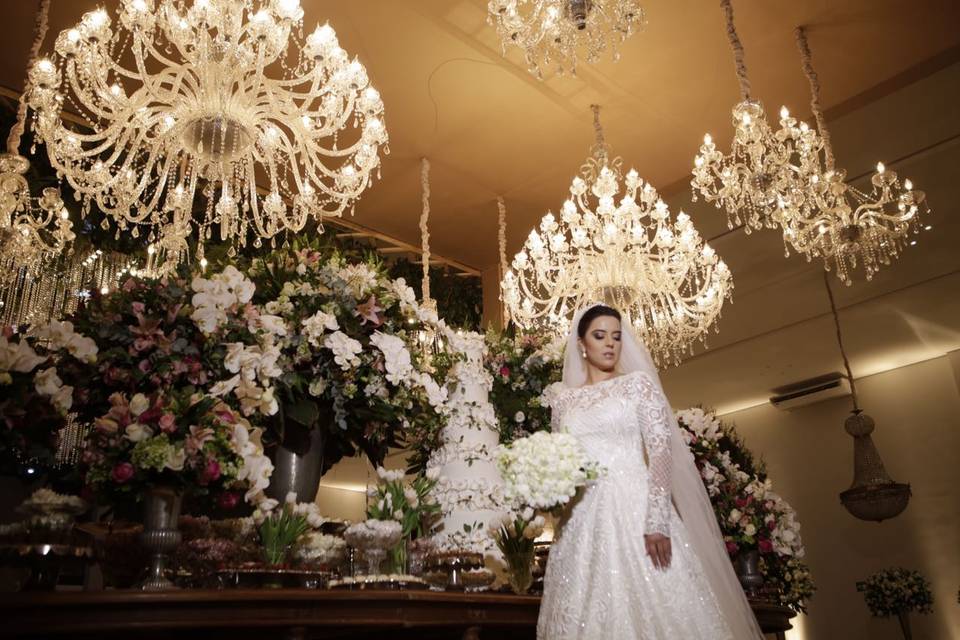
374,557
297,463
904,618
399,556
520,571
160,537
747,568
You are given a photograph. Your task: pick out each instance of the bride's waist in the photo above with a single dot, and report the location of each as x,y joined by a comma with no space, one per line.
623,468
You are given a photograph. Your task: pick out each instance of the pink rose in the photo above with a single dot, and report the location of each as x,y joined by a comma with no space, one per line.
772,525
505,371
138,308
743,503
144,366
765,546
731,547
122,472
228,500
211,472
168,424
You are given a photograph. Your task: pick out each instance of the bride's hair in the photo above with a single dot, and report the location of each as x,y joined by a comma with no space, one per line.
592,314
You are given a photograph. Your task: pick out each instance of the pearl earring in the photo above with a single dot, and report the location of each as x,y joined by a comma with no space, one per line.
583,354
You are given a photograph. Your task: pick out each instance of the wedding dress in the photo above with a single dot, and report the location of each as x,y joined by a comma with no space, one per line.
600,584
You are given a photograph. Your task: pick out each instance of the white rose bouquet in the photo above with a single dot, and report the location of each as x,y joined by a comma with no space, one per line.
543,471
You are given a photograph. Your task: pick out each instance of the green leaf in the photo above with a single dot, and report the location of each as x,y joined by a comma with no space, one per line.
304,411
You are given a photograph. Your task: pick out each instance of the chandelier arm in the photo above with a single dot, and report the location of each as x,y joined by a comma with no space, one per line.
39,33
737,47
843,353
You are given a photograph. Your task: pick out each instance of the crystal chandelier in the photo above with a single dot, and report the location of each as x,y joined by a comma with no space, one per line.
836,221
550,32
750,181
629,254
32,230
208,97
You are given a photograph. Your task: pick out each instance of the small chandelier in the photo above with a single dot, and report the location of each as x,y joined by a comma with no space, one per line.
550,32
669,284
750,181
873,494
834,220
32,230
208,98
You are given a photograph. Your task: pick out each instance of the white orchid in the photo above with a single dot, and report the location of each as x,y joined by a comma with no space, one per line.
345,349
396,356
18,356
317,325
47,382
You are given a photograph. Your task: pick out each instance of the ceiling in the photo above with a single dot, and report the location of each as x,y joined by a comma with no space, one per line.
888,70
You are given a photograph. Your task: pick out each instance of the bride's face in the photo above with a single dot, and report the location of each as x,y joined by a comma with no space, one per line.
601,343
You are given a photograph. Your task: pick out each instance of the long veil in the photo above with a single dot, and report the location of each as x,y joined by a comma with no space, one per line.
689,494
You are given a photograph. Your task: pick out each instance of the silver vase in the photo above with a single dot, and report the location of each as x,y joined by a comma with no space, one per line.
747,567
161,511
297,466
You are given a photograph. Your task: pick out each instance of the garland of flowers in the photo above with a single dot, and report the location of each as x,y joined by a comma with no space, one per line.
750,514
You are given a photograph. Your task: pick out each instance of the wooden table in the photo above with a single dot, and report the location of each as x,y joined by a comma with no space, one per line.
264,614
286,614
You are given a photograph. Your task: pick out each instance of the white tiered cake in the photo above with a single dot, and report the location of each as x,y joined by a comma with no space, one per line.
469,489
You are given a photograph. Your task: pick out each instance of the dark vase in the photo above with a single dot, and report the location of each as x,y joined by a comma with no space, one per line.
904,618
747,567
297,463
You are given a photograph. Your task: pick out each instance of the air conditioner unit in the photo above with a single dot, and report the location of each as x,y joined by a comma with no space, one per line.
806,392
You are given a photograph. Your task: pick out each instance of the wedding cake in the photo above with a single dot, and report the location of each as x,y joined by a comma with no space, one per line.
469,489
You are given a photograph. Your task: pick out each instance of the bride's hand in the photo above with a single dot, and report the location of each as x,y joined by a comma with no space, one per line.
659,550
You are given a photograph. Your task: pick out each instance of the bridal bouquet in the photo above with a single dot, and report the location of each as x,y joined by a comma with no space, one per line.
544,470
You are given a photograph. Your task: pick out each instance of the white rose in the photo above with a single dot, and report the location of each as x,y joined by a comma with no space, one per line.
176,457
519,417
139,404
749,530
136,432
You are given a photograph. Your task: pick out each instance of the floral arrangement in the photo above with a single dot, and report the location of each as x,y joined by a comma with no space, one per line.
522,367
193,443
34,401
152,338
350,351
894,591
515,534
412,505
284,529
544,470
750,514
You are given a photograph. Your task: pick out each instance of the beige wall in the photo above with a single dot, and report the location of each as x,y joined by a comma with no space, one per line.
809,458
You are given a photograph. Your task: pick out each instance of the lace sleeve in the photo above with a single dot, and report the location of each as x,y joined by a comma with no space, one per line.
654,417
552,397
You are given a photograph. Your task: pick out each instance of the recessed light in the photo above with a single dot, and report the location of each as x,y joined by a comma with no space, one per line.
913,242
928,227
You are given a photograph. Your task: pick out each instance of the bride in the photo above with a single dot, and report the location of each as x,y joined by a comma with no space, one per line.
640,556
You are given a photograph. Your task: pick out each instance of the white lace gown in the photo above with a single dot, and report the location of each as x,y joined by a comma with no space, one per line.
600,583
